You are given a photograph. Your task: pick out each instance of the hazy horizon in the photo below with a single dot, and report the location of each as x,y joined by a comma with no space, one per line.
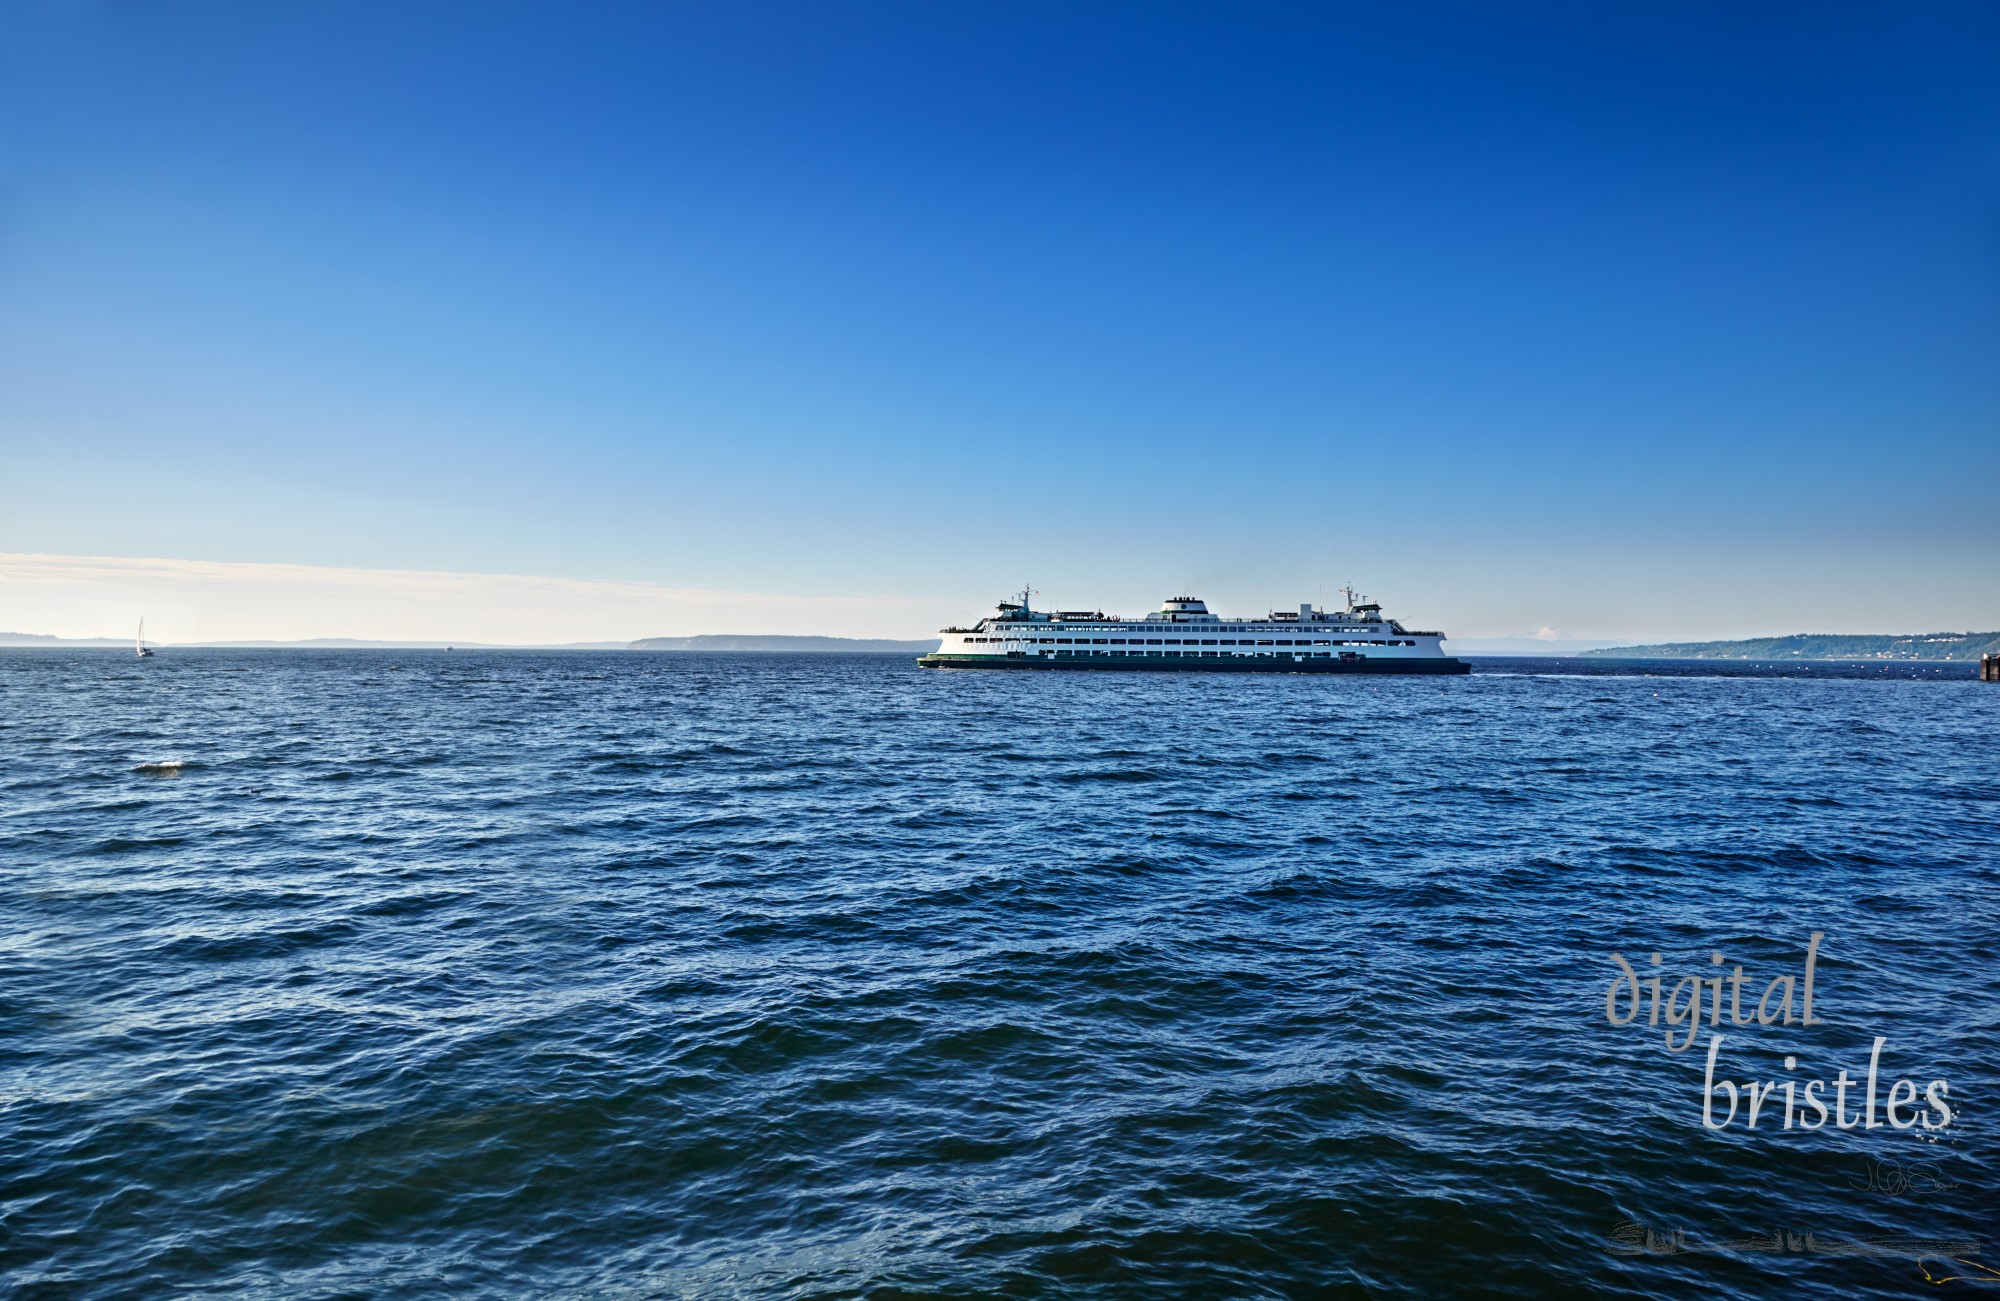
186,602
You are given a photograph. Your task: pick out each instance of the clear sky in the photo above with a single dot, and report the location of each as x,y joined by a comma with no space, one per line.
1631,320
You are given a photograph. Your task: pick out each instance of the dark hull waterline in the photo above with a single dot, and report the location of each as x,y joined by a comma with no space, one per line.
1234,664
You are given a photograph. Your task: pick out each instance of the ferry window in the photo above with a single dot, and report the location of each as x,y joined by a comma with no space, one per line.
1062,641
1207,641
1098,640
1154,641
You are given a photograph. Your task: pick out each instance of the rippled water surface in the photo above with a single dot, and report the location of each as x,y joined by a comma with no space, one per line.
365,973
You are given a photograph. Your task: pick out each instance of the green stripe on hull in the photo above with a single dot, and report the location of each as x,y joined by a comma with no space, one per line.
1233,664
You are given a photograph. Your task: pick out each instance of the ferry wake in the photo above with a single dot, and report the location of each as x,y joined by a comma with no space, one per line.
1182,635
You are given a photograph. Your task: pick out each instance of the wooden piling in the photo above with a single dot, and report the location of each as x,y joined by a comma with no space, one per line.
1989,668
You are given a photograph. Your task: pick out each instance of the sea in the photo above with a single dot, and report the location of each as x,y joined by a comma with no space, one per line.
334,974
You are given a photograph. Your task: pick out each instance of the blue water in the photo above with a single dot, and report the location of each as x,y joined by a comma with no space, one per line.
368,973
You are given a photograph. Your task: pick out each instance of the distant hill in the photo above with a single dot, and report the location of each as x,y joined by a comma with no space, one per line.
44,639
356,643
317,643
711,642
813,645
1819,646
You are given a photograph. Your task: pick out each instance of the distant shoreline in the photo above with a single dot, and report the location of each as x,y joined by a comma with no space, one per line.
1802,648
1842,648
797,645
712,642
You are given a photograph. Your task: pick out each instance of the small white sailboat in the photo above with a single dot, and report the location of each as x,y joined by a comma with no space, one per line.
139,642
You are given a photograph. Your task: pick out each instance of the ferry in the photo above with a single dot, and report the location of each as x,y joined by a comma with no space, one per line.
1183,635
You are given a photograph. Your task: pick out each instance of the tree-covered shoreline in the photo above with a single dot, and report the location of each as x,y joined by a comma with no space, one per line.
1819,646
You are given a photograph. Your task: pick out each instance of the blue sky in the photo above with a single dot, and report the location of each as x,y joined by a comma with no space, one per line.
1642,320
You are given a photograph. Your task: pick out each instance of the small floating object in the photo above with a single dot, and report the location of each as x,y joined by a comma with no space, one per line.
161,767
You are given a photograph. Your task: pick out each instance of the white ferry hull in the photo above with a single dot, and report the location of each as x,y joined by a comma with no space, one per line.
1184,637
